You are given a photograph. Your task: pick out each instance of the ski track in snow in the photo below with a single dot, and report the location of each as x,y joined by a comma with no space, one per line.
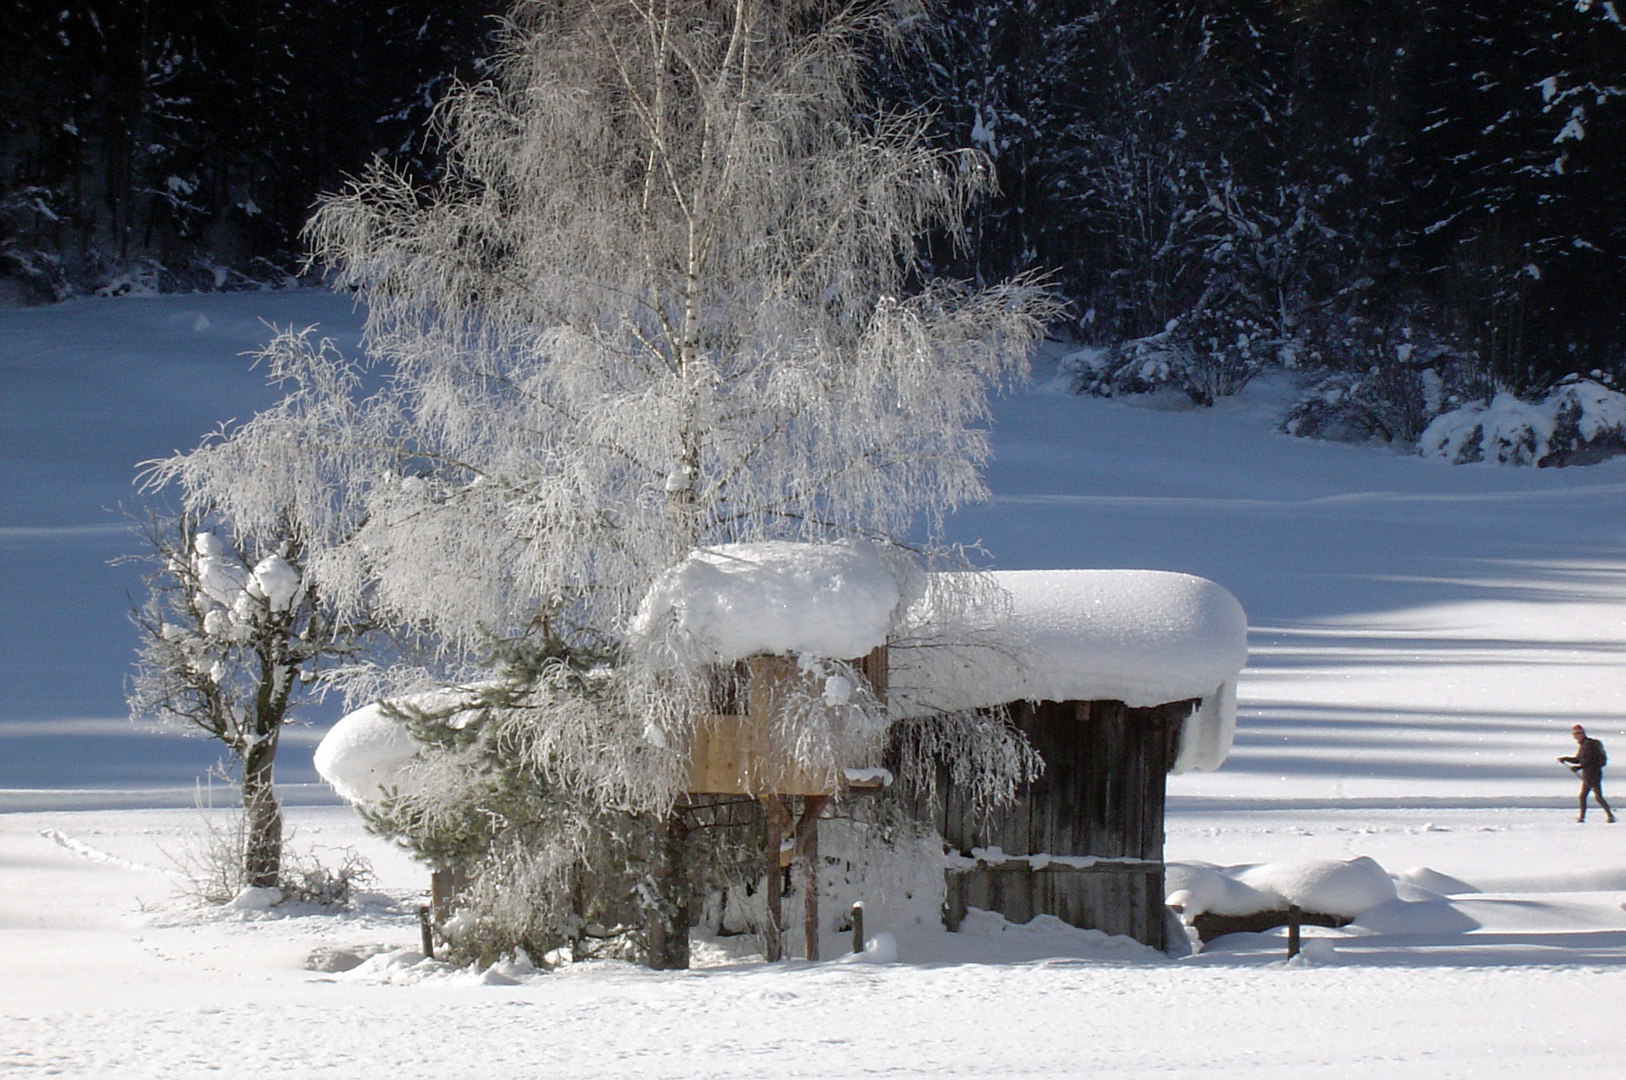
84,850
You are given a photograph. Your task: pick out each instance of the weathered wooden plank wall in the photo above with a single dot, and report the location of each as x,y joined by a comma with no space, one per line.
1101,794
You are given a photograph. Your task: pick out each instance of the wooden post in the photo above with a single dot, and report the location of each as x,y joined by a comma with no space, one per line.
858,926
443,886
773,914
807,852
427,930
1293,931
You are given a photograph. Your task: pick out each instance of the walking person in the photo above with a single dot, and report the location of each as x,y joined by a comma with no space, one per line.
1588,762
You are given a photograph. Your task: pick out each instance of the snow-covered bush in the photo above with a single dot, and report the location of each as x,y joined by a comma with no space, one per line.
1578,422
1383,379
211,869
1202,356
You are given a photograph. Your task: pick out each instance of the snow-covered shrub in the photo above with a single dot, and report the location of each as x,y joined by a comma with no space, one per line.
1578,422
1383,380
211,870
1202,356
1390,404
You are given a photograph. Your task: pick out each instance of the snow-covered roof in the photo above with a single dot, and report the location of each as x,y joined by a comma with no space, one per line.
1143,637
732,601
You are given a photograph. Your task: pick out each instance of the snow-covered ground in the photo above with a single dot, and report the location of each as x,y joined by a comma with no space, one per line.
1422,638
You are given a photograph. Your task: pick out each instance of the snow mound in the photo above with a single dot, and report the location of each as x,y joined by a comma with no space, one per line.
880,949
366,754
1578,422
1198,888
1143,637
256,898
1406,916
1348,888
729,602
1423,877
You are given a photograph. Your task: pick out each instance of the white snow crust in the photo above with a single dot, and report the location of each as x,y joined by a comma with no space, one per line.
733,601
1143,637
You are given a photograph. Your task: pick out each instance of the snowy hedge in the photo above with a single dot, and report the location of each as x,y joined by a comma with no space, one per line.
1580,422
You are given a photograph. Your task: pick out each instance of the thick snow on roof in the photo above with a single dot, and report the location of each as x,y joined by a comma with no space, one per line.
732,601
1143,637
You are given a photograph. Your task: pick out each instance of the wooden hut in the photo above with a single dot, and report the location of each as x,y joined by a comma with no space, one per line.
1117,678
792,637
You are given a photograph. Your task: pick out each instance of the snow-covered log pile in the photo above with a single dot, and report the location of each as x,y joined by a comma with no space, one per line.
1579,422
1143,637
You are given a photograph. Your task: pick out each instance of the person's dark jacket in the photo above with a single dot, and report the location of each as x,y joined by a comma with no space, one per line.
1589,758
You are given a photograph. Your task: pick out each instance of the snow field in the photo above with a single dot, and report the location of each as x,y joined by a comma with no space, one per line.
107,973
1421,639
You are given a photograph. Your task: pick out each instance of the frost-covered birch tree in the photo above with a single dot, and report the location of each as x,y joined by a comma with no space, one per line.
666,296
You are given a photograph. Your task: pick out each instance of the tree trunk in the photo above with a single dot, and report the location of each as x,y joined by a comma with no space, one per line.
668,917
262,817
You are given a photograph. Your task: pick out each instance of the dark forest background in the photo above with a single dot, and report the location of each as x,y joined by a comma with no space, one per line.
1415,199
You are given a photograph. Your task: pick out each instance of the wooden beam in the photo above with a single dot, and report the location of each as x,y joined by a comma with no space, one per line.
807,853
773,919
